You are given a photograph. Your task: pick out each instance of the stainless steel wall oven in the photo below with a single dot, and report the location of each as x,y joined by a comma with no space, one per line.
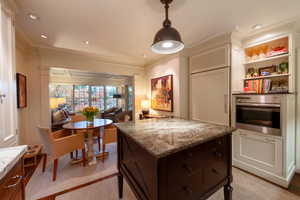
260,113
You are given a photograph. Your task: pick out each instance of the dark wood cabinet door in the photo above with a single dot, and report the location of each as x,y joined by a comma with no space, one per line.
193,172
140,166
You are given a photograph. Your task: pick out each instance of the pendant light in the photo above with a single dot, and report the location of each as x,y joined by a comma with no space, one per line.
167,40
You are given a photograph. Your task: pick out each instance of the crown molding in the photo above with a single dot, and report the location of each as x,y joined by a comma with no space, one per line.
96,57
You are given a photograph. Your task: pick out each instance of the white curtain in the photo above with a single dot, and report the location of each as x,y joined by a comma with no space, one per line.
8,111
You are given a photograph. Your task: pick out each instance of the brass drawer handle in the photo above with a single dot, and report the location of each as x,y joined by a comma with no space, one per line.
189,154
188,190
189,169
19,179
218,154
215,171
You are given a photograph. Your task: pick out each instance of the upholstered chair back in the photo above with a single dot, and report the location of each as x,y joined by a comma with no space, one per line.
46,137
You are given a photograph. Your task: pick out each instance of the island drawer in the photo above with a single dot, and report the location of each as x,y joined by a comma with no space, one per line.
198,169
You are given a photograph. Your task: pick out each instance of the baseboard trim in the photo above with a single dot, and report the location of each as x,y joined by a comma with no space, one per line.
53,196
278,180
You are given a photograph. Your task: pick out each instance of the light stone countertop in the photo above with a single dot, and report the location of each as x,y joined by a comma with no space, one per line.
162,137
9,156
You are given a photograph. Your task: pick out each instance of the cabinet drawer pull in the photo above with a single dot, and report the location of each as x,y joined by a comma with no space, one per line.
188,168
17,182
188,190
218,154
215,171
189,154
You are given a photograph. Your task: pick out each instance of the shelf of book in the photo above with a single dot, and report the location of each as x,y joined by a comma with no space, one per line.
266,77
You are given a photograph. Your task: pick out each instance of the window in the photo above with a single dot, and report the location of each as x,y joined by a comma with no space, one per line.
80,96
130,97
97,97
110,101
61,94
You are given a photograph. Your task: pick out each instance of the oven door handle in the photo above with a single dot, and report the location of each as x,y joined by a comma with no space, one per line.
259,105
272,109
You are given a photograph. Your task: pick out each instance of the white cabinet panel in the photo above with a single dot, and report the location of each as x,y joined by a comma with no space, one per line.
209,95
219,57
8,119
259,151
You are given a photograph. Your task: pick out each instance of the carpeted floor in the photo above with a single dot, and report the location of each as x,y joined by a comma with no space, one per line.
68,176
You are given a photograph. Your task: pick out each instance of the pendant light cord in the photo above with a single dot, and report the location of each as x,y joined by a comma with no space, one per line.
167,22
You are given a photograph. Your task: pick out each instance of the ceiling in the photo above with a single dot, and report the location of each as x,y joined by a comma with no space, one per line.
124,30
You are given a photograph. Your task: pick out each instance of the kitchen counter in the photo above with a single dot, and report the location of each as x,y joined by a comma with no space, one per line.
9,157
162,137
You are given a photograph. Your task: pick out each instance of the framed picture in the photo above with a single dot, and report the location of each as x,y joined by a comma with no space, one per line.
162,93
21,91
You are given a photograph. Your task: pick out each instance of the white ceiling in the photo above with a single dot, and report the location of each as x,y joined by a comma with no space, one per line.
124,29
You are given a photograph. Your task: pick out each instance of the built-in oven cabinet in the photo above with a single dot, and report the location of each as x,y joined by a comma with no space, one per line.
257,151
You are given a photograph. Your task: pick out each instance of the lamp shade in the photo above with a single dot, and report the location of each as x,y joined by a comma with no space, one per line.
167,41
55,102
145,104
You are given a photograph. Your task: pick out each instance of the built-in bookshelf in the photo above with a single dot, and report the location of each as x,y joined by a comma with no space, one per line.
284,55
267,77
267,67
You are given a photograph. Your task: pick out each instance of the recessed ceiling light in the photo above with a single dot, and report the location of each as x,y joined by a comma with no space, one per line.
44,36
257,26
33,16
86,42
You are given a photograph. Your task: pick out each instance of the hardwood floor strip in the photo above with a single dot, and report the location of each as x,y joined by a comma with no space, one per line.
52,196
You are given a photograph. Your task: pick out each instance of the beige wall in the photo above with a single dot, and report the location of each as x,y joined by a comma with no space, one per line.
177,66
35,64
27,63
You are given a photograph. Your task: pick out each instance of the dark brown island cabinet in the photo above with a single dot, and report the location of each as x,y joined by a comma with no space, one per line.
174,159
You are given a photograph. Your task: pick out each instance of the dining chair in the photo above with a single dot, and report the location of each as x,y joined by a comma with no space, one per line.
59,143
109,136
96,132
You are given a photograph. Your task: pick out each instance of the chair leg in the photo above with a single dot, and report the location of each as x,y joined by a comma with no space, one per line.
99,143
76,154
83,157
44,162
103,151
71,155
55,169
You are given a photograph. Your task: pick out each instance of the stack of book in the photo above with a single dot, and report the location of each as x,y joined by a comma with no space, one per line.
258,86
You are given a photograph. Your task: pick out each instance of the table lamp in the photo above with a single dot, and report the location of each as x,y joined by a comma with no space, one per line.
145,105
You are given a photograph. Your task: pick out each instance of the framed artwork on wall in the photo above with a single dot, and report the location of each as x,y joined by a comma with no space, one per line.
162,93
21,91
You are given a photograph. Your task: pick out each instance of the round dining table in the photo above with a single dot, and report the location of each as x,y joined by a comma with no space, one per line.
89,129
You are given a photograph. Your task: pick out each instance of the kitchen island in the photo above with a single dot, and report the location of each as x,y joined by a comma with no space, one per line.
174,159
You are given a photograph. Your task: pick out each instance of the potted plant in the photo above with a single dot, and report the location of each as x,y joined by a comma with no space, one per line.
90,112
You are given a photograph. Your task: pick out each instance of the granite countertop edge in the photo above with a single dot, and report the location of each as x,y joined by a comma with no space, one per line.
181,148
8,161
